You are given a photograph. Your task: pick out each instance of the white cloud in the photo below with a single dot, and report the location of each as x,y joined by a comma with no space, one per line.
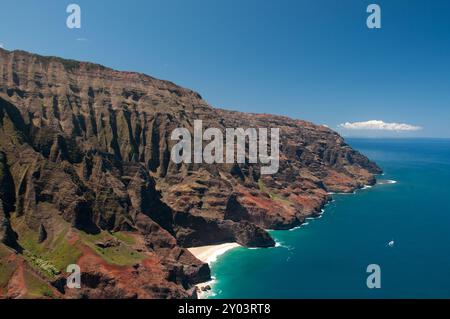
377,125
1,45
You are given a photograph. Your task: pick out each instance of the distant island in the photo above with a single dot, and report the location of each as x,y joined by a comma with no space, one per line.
86,179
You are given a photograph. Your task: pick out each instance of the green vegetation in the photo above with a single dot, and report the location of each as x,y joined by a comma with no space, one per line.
261,186
51,257
44,266
121,255
272,196
36,287
63,253
125,237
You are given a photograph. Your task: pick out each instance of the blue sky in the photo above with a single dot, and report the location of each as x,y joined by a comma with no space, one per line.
308,59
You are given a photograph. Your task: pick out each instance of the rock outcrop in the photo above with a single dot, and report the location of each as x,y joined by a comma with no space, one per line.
86,178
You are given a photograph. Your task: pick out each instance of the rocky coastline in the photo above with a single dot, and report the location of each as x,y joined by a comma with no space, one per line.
86,179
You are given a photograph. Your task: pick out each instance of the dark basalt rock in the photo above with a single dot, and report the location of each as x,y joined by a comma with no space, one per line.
108,243
7,235
42,234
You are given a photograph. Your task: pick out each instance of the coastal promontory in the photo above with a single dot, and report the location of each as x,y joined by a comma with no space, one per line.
86,178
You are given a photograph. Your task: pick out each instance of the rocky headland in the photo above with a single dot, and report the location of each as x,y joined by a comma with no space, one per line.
86,178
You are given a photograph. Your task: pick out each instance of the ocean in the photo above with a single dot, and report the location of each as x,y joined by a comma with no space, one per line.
328,257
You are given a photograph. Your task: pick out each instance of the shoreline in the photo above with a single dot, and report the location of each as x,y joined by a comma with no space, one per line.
209,254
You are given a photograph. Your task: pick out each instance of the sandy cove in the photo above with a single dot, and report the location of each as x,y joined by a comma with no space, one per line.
209,254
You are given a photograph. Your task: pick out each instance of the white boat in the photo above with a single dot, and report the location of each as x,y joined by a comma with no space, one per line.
391,243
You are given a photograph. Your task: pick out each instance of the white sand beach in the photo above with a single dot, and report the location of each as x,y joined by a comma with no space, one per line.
209,254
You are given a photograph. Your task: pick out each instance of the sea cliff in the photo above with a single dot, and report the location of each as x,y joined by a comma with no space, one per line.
86,178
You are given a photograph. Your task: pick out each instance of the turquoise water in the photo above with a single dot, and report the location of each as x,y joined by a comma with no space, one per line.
328,257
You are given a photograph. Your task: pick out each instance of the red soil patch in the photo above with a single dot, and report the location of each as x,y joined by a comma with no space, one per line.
129,281
16,286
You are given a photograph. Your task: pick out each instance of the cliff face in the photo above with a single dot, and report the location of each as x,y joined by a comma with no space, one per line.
86,178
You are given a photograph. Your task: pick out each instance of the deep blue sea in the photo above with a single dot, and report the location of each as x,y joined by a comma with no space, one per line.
328,257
